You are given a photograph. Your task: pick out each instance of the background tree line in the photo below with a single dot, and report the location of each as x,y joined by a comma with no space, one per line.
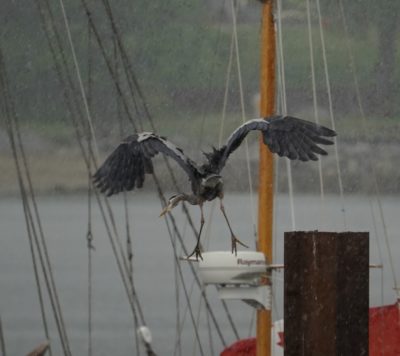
179,51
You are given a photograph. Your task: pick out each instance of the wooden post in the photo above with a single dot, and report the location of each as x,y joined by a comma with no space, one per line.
266,165
326,293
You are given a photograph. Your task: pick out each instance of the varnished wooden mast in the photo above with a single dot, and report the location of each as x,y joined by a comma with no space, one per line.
266,165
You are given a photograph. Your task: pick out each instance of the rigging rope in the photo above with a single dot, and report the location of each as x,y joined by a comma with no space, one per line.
89,154
242,106
208,97
2,341
331,115
74,107
89,234
129,70
314,94
175,183
195,275
79,77
178,344
130,74
129,253
186,294
91,130
284,108
16,144
373,170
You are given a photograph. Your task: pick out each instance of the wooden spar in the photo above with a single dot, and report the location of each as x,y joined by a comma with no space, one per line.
266,165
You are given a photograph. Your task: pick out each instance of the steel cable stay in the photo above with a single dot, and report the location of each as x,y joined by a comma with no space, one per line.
129,250
112,221
78,135
125,105
331,113
43,249
2,341
72,103
6,112
211,77
89,134
281,106
149,116
13,126
314,96
133,85
89,234
243,114
73,107
372,167
233,53
90,130
282,91
22,169
86,155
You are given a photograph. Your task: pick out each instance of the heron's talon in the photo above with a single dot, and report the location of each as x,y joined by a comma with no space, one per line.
197,253
235,241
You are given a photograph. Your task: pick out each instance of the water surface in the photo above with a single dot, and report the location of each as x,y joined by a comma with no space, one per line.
65,222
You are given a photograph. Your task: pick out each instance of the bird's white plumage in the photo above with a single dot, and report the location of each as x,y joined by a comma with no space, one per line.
259,120
144,136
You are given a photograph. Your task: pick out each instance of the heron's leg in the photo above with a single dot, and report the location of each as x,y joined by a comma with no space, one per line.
234,239
197,250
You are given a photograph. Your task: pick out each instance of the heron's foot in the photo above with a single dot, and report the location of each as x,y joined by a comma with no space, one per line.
235,241
196,252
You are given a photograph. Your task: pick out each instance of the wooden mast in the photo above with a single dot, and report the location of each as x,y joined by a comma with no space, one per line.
266,165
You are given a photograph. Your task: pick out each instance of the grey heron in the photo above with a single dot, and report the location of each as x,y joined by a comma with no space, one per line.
126,166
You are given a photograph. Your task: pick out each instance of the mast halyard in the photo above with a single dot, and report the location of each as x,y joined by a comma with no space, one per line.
266,165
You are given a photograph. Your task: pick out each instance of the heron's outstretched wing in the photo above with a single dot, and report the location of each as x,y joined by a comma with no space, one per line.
287,136
125,167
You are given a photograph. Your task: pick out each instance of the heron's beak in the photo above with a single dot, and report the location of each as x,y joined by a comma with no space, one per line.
166,210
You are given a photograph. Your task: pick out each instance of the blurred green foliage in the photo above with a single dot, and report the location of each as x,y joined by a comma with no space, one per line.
179,50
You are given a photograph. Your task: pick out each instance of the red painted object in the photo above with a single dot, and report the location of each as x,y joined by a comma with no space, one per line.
245,347
384,335
384,330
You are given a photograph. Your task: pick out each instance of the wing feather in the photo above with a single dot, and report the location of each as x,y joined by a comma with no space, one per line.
286,136
125,168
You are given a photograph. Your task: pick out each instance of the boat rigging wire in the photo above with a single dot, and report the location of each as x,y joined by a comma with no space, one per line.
242,106
79,77
331,115
314,94
13,132
281,66
129,251
130,74
2,341
89,233
208,97
373,170
74,108
88,154
176,257
159,190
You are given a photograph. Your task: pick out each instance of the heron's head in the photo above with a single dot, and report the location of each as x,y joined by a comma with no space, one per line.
172,203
